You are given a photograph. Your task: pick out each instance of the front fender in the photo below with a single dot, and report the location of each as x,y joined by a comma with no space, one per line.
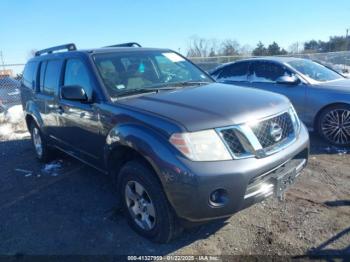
163,157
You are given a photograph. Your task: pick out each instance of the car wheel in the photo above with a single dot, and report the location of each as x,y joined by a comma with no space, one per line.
334,125
145,204
42,150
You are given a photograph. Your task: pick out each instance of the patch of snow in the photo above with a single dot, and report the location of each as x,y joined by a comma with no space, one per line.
52,168
14,114
336,150
5,130
12,124
27,172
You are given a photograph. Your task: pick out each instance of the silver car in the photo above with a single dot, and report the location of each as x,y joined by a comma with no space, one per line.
320,95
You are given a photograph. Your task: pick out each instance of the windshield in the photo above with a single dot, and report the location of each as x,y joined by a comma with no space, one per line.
314,70
126,72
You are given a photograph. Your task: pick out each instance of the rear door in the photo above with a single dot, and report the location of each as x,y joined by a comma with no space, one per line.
263,75
46,97
236,74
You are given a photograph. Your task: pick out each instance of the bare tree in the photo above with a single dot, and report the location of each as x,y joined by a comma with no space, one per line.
201,47
31,53
296,48
229,47
246,50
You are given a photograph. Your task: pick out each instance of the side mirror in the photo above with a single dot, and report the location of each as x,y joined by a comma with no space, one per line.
74,93
288,80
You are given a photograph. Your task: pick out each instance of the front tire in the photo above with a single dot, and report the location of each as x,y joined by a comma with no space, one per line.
334,125
145,204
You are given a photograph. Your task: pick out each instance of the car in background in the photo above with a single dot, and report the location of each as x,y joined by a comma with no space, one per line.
9,93
320,95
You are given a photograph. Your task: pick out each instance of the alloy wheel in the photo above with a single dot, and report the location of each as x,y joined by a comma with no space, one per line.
336,126
140,205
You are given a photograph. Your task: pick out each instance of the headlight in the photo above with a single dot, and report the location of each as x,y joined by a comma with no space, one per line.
295,119
201,146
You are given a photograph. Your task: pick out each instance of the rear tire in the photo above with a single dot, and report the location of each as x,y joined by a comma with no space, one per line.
145,204
42,151
333,125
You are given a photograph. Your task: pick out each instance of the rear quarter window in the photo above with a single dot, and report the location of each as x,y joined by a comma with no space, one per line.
29,75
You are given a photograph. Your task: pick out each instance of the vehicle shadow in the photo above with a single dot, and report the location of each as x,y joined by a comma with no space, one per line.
320,147
329,254
323,251
73,211
337,203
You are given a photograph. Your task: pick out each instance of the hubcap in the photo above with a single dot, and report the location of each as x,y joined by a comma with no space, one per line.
140,205
336,126
37,142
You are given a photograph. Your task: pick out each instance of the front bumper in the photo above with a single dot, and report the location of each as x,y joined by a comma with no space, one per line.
244,181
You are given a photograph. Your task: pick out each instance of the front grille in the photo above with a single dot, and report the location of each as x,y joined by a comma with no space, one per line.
262,130
232,141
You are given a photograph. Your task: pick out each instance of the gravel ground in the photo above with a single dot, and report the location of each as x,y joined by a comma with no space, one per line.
69,208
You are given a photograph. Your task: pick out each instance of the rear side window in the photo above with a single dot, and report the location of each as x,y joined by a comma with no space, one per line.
268,72
235,72
52,77
77,74
29,74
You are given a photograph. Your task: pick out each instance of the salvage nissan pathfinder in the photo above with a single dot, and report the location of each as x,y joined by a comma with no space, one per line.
180,148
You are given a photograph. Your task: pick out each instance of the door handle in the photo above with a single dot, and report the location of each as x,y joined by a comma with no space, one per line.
60,110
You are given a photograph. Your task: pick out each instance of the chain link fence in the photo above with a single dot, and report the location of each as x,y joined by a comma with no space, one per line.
9,92
10,74
339,61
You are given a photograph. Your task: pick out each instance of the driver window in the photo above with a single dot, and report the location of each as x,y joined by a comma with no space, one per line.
77,74
266,72
235,72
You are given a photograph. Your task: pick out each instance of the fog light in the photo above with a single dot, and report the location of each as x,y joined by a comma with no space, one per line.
218,198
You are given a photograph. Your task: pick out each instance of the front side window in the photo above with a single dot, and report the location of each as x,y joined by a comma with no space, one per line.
122,72
235,72
267,72
314,70
76,74
52,76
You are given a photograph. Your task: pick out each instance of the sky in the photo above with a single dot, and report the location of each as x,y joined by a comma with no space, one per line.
37,24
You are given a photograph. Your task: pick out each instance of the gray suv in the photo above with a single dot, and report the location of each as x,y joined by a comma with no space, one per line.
180,148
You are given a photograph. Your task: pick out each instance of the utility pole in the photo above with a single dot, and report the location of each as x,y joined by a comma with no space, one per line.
2,60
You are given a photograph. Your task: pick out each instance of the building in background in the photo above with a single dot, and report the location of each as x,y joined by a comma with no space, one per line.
6,73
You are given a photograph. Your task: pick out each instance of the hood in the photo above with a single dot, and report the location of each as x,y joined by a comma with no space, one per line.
210,106
342,85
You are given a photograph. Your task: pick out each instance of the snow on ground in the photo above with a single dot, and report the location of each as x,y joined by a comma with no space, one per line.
12,124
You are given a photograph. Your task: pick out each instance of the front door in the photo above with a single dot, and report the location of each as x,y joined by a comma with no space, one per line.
263,75
80,127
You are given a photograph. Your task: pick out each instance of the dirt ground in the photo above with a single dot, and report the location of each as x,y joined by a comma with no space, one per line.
71,210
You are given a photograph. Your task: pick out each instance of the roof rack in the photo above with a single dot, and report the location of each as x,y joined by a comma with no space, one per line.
130,44
69,47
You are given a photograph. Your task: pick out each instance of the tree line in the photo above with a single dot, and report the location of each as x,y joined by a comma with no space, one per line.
202,47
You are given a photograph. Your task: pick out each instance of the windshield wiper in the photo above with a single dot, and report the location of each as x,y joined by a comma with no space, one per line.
191,83
135,91
160,87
